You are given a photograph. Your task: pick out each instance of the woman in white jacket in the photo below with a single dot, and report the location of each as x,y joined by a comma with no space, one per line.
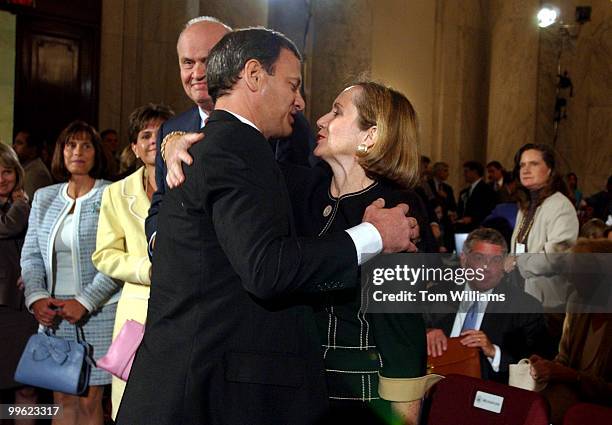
546,224
62,286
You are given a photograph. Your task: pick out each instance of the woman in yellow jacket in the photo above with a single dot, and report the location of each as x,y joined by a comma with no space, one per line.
121,247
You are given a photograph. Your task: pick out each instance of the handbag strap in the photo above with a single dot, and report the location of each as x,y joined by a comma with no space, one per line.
76,332
79,338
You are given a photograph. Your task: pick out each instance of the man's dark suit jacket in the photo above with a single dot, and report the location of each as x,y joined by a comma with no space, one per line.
295,150
517,334
448,203
478,206
224,343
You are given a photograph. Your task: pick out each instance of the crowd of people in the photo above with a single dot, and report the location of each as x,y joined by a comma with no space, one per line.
244,262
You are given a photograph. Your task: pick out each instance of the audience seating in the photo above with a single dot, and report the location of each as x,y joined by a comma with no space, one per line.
452,402
585,413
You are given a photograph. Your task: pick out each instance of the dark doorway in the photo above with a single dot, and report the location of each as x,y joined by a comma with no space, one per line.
56,70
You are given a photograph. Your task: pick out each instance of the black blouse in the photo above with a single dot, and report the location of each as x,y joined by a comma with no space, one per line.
357,346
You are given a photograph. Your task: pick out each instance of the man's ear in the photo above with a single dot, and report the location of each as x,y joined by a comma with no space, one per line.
252,74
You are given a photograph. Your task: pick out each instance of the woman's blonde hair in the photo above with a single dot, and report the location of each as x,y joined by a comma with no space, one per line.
9,159
395,155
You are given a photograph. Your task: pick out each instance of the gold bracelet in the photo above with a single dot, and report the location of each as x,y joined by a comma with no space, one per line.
162,148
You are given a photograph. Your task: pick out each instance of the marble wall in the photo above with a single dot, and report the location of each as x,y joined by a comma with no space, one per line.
7,76
513,77
479,72
138,58
461,84
294,18
403,41
584,142
341,50
138,51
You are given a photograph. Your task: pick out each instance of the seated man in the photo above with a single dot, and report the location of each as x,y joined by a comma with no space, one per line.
503,335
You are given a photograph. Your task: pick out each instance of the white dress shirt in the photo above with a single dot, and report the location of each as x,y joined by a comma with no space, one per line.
203,117
473,186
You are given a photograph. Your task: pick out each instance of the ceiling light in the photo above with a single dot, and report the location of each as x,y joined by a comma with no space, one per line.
547,16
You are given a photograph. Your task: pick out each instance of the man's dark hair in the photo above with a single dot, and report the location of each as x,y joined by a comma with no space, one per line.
227,59
474,166
495,164
485,234
33,140
509,177
439,166
107,132
143,115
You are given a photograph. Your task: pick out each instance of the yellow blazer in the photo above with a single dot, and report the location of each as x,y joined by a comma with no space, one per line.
121,253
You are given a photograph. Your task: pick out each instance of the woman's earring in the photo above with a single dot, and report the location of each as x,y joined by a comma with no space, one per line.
362,149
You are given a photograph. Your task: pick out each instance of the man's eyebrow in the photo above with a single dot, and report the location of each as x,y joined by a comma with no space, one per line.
337,105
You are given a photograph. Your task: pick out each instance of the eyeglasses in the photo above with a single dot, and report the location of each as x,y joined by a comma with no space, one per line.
493,260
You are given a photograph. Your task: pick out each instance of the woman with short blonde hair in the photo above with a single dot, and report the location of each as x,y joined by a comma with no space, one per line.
370,147
9,160
395,155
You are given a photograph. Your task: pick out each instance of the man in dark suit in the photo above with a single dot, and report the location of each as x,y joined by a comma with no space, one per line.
498,181
442,208
495,175
443,191
475,201
505,332
226,339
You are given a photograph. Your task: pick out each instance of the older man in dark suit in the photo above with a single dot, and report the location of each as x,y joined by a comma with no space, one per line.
505,332
193,47
226,341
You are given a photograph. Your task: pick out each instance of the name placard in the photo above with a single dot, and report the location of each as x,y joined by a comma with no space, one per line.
486,401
